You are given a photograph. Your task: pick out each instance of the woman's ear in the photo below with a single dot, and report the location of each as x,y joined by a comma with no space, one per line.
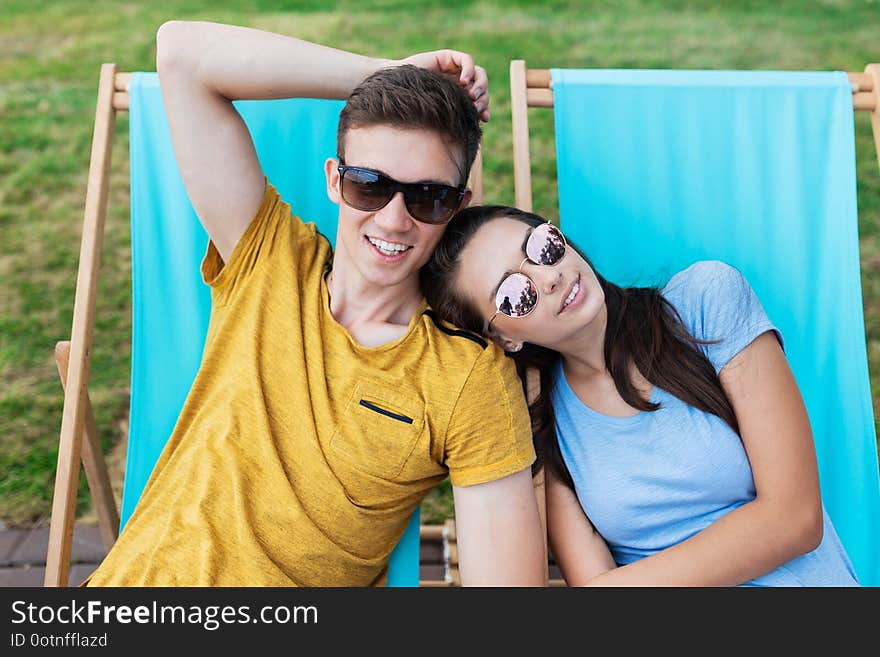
504,343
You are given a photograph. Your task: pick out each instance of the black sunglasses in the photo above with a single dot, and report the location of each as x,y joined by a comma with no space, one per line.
368,190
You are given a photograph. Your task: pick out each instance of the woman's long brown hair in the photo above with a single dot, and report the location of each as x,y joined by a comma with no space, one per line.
643,329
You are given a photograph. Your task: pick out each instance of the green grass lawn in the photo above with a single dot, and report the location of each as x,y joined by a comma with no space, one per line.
50,55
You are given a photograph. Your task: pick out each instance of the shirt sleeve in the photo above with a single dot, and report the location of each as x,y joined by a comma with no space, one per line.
489,434
716,303
274,233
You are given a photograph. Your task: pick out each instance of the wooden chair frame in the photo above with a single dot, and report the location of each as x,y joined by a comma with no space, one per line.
79,438
534,88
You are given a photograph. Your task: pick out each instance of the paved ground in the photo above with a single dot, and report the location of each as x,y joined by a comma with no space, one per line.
23,556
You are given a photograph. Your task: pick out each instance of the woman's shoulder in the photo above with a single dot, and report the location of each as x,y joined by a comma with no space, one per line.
715,302
705,277
708,292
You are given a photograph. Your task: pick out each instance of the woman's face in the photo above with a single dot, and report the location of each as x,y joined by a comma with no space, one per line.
569,296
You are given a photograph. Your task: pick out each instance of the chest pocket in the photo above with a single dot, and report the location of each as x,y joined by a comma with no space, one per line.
378,429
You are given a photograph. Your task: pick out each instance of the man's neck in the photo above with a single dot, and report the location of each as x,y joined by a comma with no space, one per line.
374,315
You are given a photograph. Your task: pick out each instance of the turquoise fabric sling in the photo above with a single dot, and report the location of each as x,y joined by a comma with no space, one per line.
658,169
170,303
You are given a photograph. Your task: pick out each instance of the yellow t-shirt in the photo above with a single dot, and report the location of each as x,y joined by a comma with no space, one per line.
300,455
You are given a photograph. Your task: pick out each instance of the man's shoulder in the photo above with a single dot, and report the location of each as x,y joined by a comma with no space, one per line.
294,238
460,354
452,336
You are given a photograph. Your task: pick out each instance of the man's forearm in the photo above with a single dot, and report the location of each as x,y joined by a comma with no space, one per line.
242,63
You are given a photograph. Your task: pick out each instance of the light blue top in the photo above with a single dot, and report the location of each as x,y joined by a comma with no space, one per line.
654,479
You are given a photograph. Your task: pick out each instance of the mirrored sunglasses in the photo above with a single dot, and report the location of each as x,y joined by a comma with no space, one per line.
517,295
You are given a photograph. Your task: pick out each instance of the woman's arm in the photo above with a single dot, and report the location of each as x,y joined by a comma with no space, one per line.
785,518
580,552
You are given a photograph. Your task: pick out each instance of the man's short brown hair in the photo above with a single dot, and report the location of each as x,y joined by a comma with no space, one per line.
410,97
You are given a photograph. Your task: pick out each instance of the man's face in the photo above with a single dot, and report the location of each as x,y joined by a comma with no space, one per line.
387,246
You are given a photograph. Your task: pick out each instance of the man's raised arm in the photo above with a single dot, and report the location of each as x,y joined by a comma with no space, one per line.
202,68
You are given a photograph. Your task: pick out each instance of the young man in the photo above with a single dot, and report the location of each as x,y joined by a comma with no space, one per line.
329,400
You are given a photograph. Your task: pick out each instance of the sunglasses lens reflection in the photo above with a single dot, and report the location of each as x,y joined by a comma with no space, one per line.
433,204
517,296
368,190
546,245
364,189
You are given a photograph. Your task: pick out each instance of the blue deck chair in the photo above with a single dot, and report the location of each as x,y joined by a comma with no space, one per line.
658,169
170,303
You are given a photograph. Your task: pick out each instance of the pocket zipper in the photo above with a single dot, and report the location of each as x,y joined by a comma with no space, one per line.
395,416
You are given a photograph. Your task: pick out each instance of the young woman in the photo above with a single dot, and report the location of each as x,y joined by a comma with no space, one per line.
677,447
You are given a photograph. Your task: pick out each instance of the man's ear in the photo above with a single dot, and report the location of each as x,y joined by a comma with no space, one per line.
466,199
332,175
